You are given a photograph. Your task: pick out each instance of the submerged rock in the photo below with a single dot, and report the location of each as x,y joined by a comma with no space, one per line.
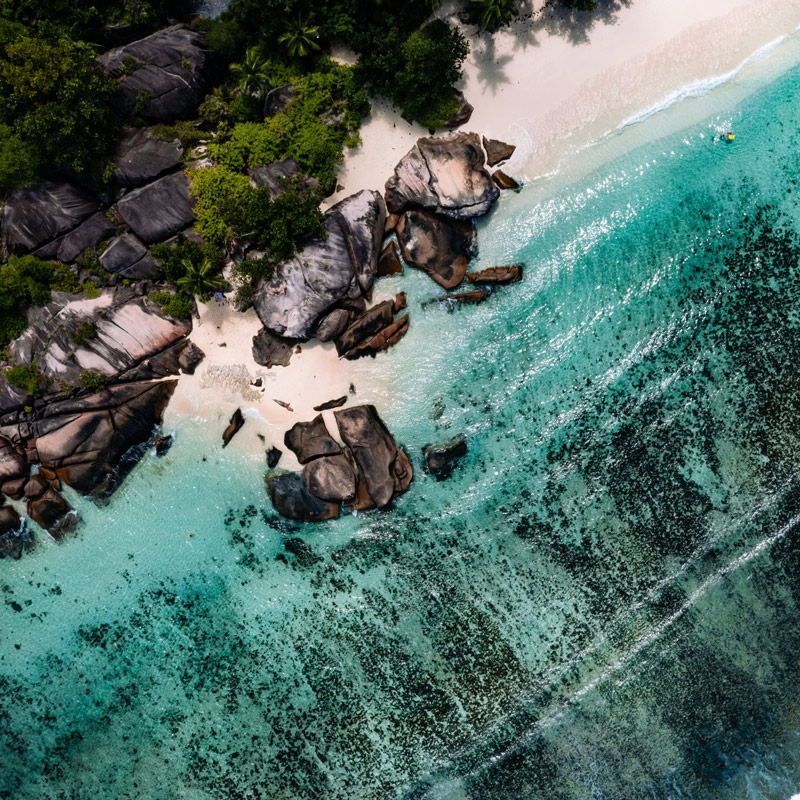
234,426
310,440
175,72
444,175
497,151
327,272
12,538
163,443
496,276
440,455
385,467
438,246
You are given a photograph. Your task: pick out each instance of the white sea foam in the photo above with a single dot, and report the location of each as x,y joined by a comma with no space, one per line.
701,86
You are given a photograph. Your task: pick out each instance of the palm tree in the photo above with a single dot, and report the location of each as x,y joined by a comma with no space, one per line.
493,14
300,38
200,281
252,73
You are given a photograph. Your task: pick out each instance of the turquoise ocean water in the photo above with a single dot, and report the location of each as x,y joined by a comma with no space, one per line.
601,602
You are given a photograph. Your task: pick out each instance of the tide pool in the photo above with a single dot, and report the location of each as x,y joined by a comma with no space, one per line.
601,601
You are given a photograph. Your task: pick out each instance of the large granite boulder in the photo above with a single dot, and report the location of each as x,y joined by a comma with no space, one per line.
272,351
175,71
123,331
83,439
445,175
139,157
292,499
127,256
436,245
158,210
278,175
13,463
497,151
331,478
389,261
328,272
379,316
333,324
385,468
52,512
40,213
310,440
496,276
70,246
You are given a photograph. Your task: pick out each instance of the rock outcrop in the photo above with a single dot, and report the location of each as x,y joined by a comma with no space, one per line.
503,181
333,324
12,533
336,403
383,339
174,69
389,261
278,175
277,99
385,467
444,175
310,440
139,157
83,439
328,273
497,151
462,116
369,472
462,298
158,210
53,513
331,478
272,351
40,213
123,331
496,276
292,499
436,245
440,456
71,245
234,426
127,256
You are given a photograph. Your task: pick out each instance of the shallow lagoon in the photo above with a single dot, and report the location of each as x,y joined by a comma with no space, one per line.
600,602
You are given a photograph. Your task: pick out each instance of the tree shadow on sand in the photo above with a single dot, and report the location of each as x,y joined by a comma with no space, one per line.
553,19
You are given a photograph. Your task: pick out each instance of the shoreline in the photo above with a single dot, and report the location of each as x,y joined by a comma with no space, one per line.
581,93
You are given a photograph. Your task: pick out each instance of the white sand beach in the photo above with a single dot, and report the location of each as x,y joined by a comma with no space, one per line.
548,91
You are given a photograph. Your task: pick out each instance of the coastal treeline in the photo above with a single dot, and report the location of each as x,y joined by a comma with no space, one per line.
273,95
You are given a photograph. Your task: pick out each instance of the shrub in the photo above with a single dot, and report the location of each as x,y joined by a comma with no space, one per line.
224,204
130,64
93,381
12,324
312,129
83,333
189,133
179,306
28,378
171,257
17,161
159,298
91,290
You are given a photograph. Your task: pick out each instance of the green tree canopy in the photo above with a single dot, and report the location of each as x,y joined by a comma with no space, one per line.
55,99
